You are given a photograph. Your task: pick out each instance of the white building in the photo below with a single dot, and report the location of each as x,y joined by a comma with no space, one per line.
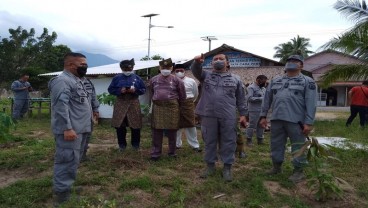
101,77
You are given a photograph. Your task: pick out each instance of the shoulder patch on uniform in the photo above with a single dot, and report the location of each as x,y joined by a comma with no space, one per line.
312,86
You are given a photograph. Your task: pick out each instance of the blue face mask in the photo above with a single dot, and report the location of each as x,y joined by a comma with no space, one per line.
291,66
219,65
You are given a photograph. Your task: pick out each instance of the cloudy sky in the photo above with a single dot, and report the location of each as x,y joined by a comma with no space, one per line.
116,28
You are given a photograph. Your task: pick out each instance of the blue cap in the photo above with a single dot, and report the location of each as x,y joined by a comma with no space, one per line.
296,57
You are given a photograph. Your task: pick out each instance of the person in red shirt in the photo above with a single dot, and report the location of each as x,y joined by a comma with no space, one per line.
358,100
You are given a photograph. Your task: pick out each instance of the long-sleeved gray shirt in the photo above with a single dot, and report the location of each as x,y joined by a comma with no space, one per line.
254,97
20,93
70,107
292,99
221,95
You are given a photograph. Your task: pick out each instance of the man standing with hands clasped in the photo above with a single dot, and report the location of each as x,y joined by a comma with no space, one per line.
293,98
222,95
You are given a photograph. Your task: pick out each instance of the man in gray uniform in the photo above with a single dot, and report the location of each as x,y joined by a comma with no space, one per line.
21,89
255,94
293,98
71,115
90,88
222,95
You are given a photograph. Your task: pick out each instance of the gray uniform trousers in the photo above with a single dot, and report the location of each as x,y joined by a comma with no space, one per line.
66,161
254,125
280,131
20,107
222,132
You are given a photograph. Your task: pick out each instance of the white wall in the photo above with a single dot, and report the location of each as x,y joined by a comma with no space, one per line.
101,85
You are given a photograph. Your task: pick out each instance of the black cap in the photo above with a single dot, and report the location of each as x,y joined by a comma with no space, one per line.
127,63
166,63
179,66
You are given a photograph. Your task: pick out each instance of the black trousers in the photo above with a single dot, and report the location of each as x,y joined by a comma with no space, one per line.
135,137
354,110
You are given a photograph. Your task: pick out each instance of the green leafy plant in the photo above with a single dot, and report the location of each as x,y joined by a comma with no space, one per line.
6,123
106,99
321,181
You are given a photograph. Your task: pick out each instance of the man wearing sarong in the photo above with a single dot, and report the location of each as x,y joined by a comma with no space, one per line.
127,87
168,92
187,116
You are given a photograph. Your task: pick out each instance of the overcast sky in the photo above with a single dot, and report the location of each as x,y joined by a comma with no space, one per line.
116,28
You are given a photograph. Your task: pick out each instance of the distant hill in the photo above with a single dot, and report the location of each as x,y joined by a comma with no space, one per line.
97,59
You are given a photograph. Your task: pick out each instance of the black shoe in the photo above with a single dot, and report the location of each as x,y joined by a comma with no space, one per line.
197,149
178,147
154,159
173,156
60,197
122,149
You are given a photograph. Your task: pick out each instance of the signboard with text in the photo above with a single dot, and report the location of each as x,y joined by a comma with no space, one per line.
237,60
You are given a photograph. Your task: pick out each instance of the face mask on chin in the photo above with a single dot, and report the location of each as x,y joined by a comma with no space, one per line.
219,65
82,71
165,72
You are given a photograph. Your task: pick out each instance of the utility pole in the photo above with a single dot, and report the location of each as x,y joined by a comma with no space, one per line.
209,39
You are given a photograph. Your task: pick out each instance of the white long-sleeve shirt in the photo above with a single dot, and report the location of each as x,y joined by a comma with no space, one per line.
191,87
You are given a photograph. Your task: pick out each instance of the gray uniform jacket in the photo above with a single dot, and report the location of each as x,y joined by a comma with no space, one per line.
254,97
222,94
292,99
20,93
70,107
90,88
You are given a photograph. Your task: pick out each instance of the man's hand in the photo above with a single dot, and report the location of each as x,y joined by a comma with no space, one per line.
123,90
307,129
131,90
96,115
243,121
70,135
263,122
199,58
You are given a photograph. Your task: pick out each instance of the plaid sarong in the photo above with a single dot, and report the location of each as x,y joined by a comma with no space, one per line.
187,117
127,107
165,114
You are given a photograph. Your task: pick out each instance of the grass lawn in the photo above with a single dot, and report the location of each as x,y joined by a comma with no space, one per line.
130,179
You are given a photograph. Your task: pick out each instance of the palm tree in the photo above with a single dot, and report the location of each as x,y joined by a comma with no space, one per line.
297,45
354,42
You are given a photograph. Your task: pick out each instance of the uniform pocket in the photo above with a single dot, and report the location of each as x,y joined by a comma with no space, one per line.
296,91
64,155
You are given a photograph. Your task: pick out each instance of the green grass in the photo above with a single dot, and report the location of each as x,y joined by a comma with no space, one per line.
130,179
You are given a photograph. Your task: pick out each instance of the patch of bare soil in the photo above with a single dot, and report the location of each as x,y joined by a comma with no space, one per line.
321,116
7,177
349,198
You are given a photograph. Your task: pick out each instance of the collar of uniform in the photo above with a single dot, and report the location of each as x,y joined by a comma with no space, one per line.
222,74
287,77
68,73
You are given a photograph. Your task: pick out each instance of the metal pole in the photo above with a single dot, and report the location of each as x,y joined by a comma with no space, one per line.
209,44
149,38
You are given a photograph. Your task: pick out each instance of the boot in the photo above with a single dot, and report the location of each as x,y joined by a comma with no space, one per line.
249,142
226,173
276,169
297,176
60,197
210,170
260,141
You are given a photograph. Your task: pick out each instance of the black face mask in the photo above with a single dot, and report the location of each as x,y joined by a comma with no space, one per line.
82,70
262,85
